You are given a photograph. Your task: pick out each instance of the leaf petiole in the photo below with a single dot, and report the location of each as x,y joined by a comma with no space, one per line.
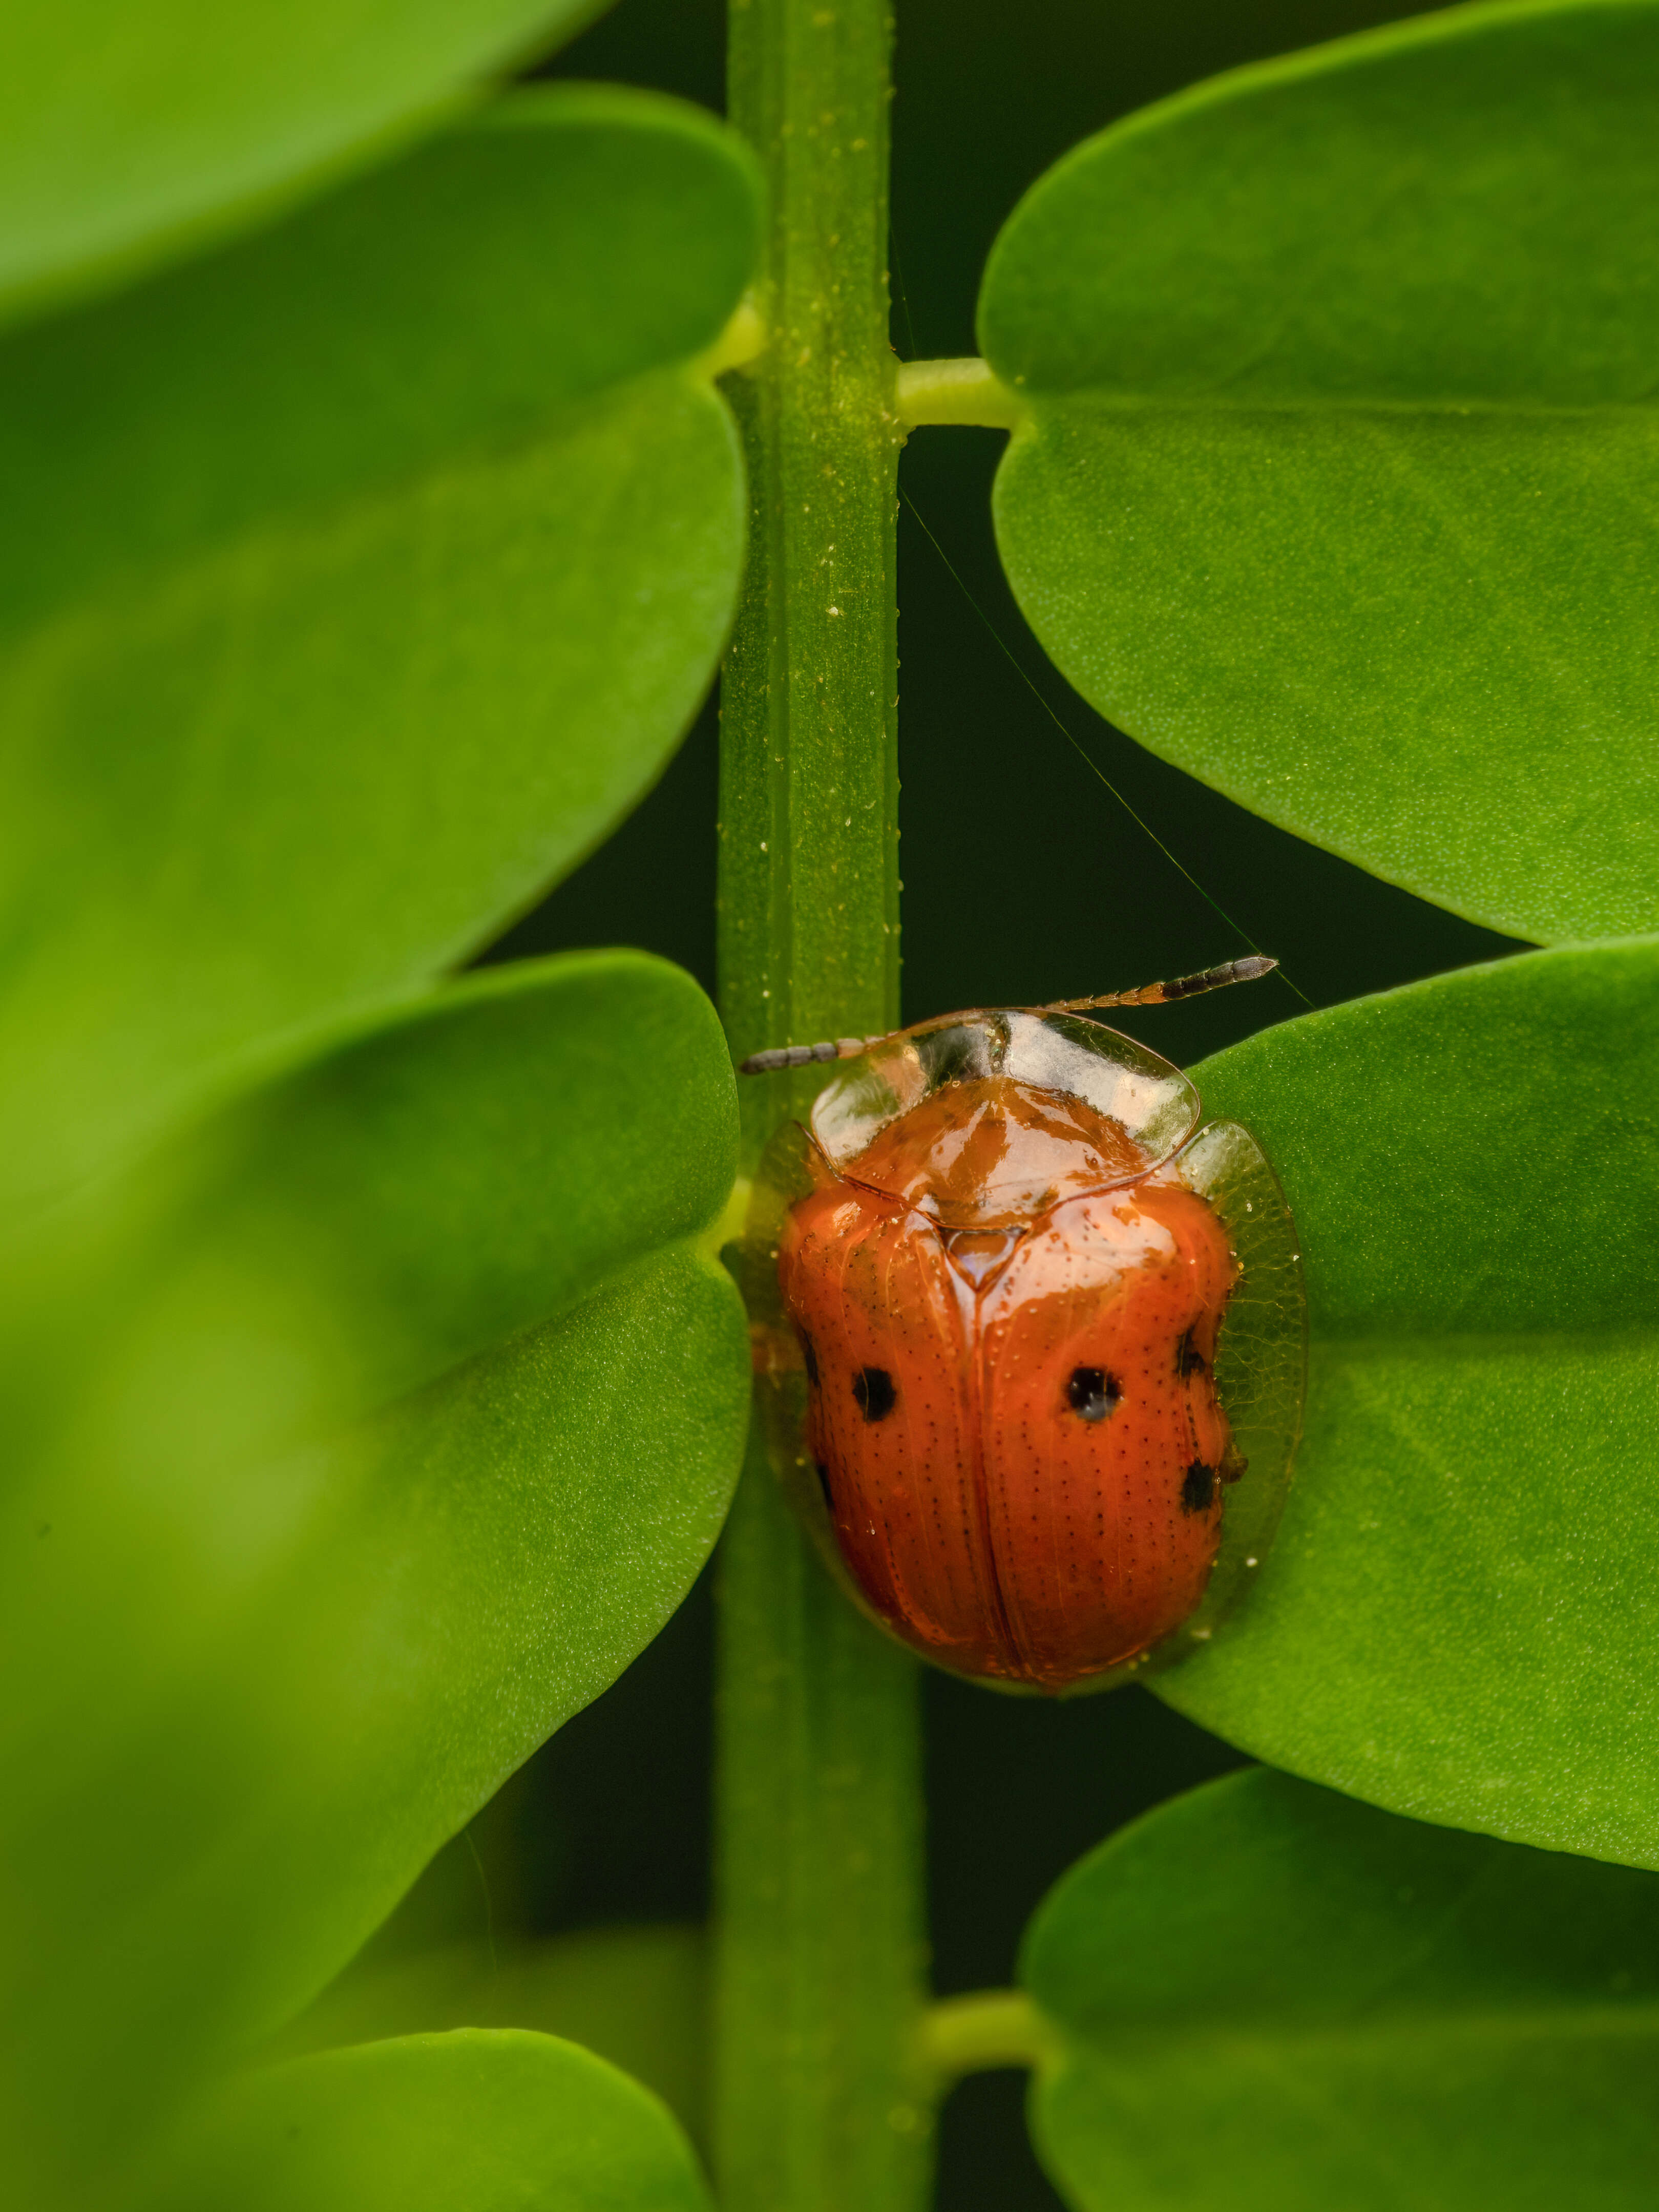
742,342
987,2029
965,391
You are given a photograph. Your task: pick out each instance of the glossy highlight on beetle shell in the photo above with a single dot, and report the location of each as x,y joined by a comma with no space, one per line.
1025,1322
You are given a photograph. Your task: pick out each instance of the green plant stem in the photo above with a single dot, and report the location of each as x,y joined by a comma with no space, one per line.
962,391
985,2029
821,2100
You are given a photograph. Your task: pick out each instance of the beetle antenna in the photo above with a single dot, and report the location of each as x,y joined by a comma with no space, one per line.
803,1056
1150,994
1181,986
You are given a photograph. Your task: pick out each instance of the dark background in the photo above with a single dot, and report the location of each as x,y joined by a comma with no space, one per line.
1025,879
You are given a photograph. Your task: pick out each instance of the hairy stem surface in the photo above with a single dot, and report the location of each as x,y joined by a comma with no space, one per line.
820,2101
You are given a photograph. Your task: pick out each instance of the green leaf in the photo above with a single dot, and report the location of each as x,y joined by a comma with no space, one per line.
1266,1989
359,579
264,1664
483,2120
636,1996
433,1180
1457,1619
1341,473
127,135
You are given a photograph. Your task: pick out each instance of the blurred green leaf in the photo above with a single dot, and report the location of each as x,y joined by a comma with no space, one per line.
435,1180
1341,477
483,2120
127,134
262,1665
359,579
1456,1620
637,1997
1270,1996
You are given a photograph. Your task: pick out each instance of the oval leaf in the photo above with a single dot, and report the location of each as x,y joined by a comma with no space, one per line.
361,578
1456,1620
1342,475
1325,2005
126,135
482,2120
264,1664
637,1996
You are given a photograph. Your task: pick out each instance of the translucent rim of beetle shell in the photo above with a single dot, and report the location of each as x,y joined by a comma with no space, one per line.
1260,1364
1262,1379
1152,1100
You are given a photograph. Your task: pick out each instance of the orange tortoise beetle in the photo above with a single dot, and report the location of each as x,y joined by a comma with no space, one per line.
1042,1329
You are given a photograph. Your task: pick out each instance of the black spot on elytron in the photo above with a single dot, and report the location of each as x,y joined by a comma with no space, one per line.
1093,1392
1189,1360
810,1357
824,1484
1198,1488
874,1389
